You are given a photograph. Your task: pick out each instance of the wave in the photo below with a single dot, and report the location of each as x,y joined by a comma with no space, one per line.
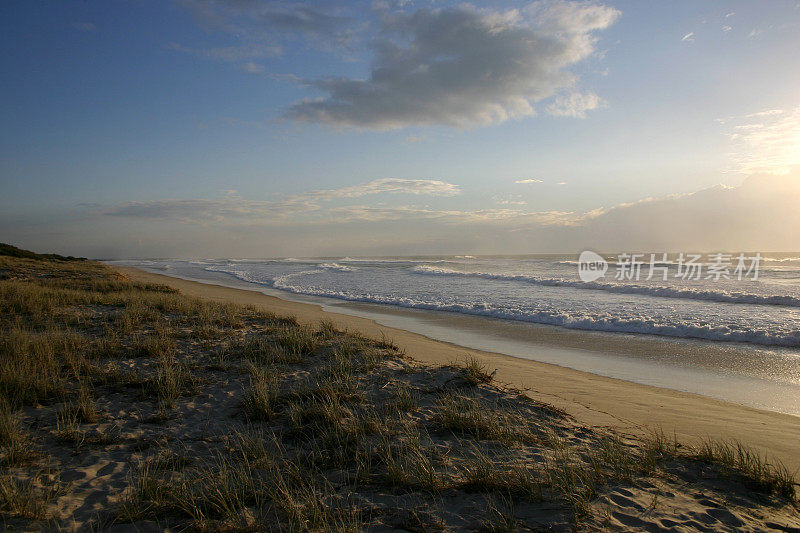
646,290
646,262
336,266
251,277
390,261
602,323
780,259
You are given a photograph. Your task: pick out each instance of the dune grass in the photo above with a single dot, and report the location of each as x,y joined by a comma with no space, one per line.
752,466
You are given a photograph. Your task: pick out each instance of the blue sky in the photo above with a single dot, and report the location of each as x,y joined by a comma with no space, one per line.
144,127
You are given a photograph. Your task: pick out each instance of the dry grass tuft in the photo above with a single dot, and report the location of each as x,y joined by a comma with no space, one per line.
26,498
16,445
474,372
261,398
757,471
466,415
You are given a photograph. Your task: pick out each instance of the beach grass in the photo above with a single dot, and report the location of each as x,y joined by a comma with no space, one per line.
202,415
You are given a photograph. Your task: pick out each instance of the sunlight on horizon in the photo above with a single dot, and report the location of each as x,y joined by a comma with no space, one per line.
766,141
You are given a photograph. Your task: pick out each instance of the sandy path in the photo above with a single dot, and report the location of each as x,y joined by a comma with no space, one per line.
594,400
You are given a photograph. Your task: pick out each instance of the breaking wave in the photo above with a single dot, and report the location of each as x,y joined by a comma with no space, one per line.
647,290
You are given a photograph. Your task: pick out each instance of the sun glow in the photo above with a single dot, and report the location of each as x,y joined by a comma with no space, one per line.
767,141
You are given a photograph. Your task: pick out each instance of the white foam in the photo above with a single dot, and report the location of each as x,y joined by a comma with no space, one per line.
337,266
646,290
563,319
576,320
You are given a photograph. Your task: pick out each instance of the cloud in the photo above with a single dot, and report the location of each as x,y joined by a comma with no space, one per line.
87,27
243,56
758,215
272,20
726,28
233,209
575,105
450,217
389,185
688,37
765,113
509,200
766,141
461,66
253,68
529,180
229,209
231,54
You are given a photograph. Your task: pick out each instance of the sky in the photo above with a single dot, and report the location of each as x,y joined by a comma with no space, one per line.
245,128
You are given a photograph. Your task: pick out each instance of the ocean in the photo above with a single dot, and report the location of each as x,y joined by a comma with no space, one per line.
754,324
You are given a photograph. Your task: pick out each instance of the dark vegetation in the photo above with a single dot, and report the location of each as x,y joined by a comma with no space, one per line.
12,251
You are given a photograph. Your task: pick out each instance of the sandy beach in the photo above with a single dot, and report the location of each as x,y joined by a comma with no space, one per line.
128,405
594,400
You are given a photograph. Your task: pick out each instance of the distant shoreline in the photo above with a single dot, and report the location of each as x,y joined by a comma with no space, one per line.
593,399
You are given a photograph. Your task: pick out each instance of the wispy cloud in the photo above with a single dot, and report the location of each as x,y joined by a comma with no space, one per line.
575,105
462,66
389,185
253,68
765,141
364,213
759,213
529,180
232,54
242,56
270,22
87,27
233,209
228,209
688,37
509,200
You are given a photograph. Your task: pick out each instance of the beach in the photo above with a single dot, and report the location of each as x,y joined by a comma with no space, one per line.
132,401
592,399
